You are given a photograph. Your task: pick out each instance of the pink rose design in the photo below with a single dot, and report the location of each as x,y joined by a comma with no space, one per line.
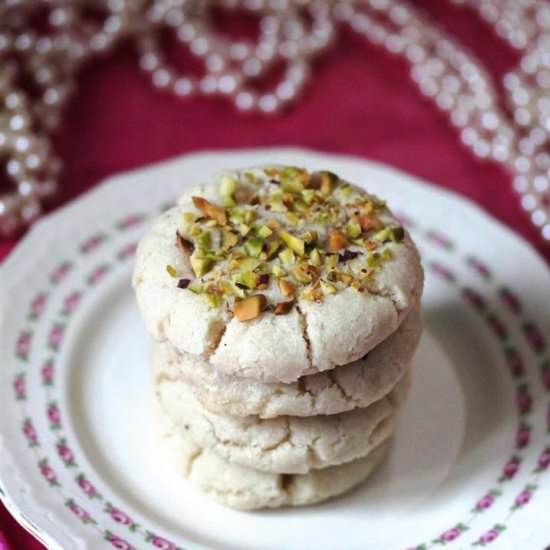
20,387
524,401
510,468
98,274
53,414
523,498
515,362
65,453
544,460
60,272
127,251
497,326
523,436
47,472
489,536
56,336
78,511
119,516
71,302
23,345
37,306
485,502
534,337
47,372
451,534
510,299
87,487
92,243
474,298
30,432
161,543
118,542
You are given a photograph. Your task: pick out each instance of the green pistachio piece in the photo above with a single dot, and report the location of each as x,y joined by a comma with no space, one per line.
171,270
228,185
332,261
327,288
248,264
203,240
195,288
315,257
278,271
302,274
272,248
300,206
287,256
201,266
188,217
229,239
264,232
353,230
213,300
244,229
253,246
249,279
294,243
308,195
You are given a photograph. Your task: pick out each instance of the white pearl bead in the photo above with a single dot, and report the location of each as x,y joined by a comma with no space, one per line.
539,217
183,86
208,84
245,100
528,202
546,232
268,103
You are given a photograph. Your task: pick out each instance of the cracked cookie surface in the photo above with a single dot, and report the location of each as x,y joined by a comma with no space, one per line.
214,288
335,391
248,489
286,444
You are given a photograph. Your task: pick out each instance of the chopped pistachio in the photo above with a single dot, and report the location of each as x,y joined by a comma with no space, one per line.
336,240
244,229
249,279
332,261
185,246
272,248
188,217
287,256
248,264
394,234
278,271
324,181
250,308
264,232
308,195
211,210
292,218
315,257
204,240
213,300
368,223
345,278
327,288
229,239
195,287
304,273
273,224
201,266
171,270
228,186
353,230
286,287
253,246
283,308
294,243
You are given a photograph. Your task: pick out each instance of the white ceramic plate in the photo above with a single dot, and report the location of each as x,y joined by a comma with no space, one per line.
79,465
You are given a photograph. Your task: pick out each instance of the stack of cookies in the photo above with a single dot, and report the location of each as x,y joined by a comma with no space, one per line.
284,311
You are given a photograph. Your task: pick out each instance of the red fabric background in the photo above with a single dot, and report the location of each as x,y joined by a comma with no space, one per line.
360,101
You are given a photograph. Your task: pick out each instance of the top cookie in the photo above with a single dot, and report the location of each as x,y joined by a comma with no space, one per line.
274,273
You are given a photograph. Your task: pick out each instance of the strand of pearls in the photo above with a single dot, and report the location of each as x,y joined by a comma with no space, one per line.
39,63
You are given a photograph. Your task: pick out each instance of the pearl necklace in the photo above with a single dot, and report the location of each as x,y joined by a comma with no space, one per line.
444,72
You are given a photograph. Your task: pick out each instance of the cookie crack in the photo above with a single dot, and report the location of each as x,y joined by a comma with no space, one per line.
343,393
305,334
